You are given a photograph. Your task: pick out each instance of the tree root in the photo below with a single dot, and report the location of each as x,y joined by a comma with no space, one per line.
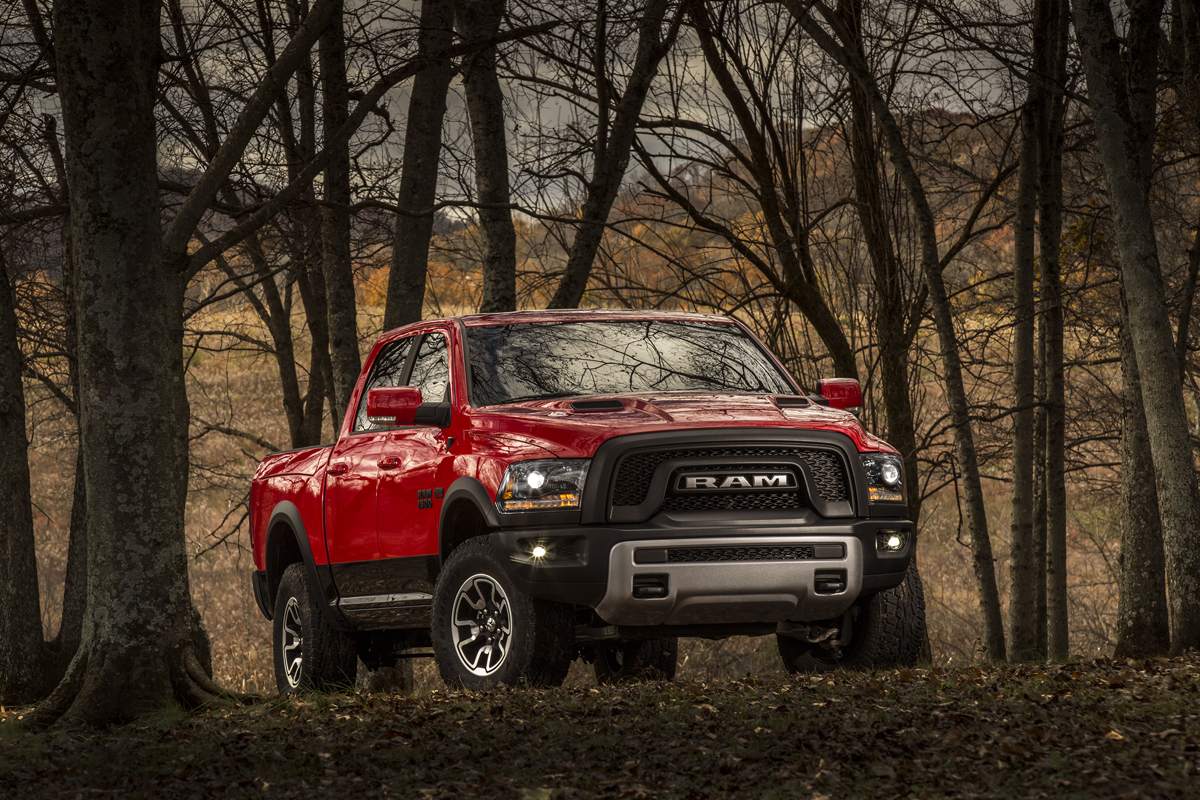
52,709
73,700
201,681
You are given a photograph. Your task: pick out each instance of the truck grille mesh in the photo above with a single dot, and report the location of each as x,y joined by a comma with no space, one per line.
731,502
635,471
683,555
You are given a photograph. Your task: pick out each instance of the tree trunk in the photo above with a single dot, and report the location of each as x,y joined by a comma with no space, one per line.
74,607
345,363
485,107
1143,629
1185,49
1050,65
851,58
612,149
311,284
1022,622
22,647
143,646
307,261
1122,131
1057,623
1040,511
419,171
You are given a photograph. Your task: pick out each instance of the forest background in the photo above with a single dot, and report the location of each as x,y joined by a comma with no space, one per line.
984,211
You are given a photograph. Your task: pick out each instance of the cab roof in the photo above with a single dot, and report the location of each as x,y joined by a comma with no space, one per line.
585,315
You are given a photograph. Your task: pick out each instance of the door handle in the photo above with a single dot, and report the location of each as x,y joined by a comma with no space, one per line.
337,469
390,462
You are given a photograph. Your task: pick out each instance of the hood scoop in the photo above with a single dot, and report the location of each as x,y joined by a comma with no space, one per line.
597,405
792,401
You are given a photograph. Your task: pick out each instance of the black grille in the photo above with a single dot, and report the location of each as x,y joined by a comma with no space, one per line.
731,502
635,471
826,469
680,555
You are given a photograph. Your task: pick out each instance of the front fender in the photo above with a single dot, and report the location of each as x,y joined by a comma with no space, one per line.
286,538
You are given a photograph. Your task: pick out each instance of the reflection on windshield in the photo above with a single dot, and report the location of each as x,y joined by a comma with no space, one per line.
551,360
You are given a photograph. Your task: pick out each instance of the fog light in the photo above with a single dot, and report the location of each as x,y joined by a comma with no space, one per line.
890,541
538,551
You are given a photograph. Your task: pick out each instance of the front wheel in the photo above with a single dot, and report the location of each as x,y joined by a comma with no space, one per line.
648,660
309,652
486,632
886,631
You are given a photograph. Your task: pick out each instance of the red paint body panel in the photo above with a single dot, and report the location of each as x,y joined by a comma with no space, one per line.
404,528
350,498
295,476
372,512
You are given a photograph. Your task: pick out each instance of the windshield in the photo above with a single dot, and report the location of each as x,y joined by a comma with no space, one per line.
510,363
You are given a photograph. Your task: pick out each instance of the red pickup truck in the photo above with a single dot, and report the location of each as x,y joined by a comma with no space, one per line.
520,490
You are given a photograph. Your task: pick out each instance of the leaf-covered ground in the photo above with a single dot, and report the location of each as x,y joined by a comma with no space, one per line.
1121,730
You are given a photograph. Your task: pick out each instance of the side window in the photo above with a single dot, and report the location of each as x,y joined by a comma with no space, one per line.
388,370
431,370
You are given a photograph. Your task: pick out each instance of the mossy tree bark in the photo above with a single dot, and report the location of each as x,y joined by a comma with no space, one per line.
1143,628
143,645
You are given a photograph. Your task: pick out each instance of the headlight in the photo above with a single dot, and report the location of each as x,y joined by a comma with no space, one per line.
537,485
885,477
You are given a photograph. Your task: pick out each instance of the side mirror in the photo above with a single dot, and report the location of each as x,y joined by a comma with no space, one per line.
843,393
393,405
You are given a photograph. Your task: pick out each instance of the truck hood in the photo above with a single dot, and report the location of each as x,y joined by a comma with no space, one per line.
569,429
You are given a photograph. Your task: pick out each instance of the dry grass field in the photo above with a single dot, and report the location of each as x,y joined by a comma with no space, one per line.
239,389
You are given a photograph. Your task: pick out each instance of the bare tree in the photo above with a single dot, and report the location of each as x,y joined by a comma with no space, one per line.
1022,619
613,142
1123,110
143,645
419,173
337,271
839,44
485,105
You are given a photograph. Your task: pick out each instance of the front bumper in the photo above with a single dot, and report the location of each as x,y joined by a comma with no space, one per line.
696,568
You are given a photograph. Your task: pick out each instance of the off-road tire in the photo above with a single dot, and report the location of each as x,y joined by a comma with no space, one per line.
646,660
534,640
888,628
310,654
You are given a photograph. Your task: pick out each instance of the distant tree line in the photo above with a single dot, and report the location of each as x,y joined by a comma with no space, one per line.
995,200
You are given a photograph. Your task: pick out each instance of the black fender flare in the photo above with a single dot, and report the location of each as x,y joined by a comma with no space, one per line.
471,490
285,515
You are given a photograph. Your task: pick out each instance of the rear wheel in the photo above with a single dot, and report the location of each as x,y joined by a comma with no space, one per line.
648,660
486,632
886,630
309,652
